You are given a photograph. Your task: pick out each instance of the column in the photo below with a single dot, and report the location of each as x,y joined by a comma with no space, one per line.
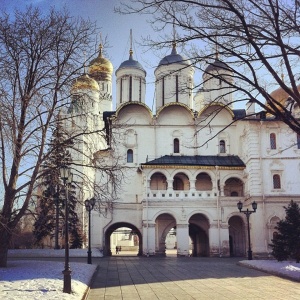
214,240
183,240
148,239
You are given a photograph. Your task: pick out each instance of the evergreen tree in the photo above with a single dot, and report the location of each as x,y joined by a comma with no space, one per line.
287,242
44,224
54,194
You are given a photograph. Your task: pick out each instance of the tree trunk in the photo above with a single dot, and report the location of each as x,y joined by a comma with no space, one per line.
5,238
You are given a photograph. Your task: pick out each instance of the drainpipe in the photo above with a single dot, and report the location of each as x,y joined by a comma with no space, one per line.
262,183
147,221
218,210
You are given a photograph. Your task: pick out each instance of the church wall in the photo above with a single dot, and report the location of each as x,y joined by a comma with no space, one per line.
204,207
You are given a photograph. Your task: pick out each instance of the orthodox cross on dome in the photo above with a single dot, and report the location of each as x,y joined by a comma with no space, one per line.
174,35
84,63
100,45
217,48
130,51
281,68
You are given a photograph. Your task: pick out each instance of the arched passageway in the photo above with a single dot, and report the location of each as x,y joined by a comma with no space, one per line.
164,224
237,236
198,232
126,231
234,187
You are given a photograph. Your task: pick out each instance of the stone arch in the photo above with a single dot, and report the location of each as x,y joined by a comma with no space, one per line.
164,222
107,248
199,233
237,238
181,182
158,181
272,222
203,182
233,186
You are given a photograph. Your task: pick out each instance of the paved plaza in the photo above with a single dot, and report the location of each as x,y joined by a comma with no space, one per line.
129,277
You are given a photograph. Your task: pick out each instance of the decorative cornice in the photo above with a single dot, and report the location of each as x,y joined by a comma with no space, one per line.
191,167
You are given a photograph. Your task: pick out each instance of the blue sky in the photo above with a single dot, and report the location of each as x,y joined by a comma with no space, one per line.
113,25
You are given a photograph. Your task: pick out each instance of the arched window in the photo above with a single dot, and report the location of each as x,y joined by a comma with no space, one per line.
273,141
222,146
234,194
276,182
176,145
298,140
129,156
178,184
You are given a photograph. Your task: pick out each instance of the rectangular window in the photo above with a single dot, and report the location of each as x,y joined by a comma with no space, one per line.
276,181
177,88
273,141
121,89
163,91
130,88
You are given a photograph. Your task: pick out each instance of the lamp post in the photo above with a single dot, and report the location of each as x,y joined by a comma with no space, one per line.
67,178
89,205
248,213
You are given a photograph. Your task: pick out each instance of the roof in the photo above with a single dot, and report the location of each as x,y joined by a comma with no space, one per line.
216,65
173,58
131,64
239,113
198,160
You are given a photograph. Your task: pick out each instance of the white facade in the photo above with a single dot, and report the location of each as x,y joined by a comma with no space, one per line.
185,169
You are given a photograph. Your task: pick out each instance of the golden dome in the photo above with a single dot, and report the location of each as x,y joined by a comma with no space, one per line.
85,82
100,68
281,96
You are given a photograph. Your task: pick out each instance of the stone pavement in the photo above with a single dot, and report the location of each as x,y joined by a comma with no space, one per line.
123,277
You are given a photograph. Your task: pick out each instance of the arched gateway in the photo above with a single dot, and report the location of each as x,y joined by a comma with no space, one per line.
112,228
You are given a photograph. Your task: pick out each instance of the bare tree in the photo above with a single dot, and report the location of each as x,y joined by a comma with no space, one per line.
256,40
40,55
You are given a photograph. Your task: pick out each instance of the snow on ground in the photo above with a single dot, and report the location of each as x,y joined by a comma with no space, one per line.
42,280
285,269
34,279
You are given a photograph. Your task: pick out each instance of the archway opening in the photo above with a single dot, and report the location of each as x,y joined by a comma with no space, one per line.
198,232
237,243
234,187
171,242
181,182
123,239
165,232
158,182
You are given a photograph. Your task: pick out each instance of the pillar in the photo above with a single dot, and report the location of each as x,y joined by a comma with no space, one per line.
183,240
148,239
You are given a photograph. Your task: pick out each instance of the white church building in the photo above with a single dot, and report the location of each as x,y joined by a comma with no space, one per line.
186,164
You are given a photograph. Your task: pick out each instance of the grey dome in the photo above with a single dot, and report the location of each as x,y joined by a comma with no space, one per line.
131,63
216,65
174,57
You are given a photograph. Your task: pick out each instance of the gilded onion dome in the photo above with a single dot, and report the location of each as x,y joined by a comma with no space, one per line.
281,96
84,82
100,68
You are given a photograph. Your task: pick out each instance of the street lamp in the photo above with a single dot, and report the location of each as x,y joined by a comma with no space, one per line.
248,213
67,177
89,205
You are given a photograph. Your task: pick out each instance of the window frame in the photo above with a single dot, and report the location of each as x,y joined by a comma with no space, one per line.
129,156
